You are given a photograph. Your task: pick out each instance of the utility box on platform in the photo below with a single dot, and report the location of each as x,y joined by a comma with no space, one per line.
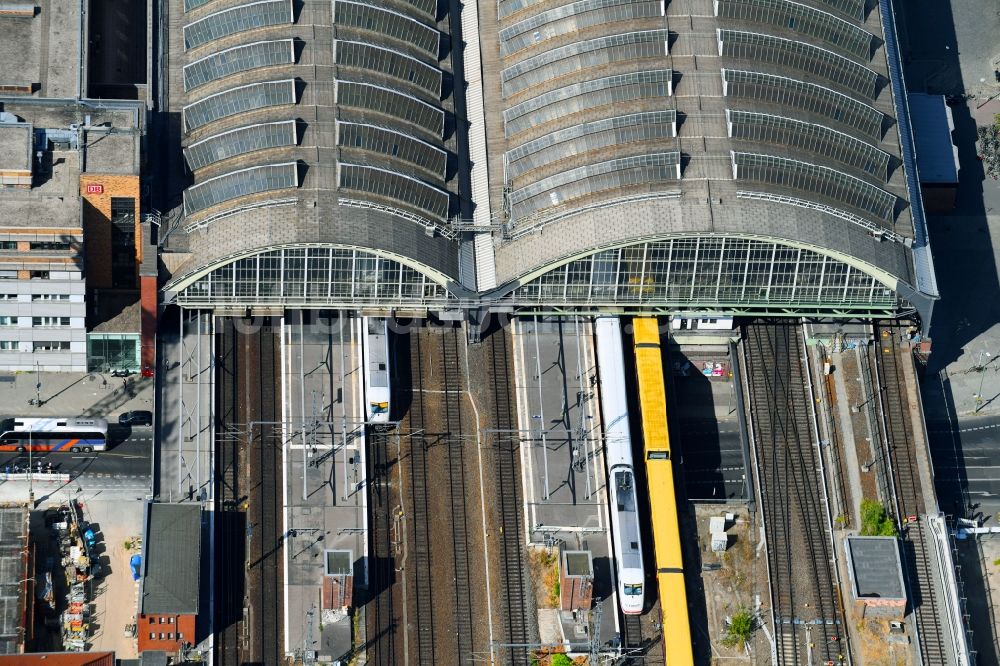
576,580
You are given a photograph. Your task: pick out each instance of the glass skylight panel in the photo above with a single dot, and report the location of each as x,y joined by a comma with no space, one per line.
592,178
652,126
811,97
572,17
820,180
395,187
585,95
226,187
237,19
238,100
392,63
392,103
810,137
392,143
240,141
389,23
581,55
797,17
799,55
238,59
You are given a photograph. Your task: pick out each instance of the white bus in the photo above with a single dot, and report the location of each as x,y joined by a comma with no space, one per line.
54,433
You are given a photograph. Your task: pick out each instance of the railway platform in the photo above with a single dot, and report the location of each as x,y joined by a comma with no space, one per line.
873,426
564,476
185,425
325,484
845,400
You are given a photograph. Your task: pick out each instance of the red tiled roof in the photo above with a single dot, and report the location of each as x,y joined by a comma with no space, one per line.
60,659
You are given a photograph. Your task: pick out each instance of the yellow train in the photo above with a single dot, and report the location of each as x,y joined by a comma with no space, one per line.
662,500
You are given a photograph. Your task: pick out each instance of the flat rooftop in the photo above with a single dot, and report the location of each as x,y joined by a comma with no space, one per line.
112,153
15,146
109,133
876,570
43,51
937,154
53,201
116,312
13,537
172,559
61,659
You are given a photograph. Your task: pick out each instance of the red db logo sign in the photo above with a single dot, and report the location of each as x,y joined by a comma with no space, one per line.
95,189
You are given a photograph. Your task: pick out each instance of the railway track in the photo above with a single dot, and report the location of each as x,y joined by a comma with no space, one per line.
897,429
631,632
453,387
263,360
229,554
382,636
514,582
419,513
248,615
805,604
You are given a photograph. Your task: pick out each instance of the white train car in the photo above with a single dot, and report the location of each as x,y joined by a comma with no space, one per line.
621,475
375,359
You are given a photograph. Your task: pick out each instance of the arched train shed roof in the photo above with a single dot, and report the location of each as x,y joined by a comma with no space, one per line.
779,115
318,118
591,124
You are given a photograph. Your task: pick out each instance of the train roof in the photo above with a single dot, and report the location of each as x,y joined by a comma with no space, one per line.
628,524
614,406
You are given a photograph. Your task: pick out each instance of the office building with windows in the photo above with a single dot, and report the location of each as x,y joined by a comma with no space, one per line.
61,244
69,199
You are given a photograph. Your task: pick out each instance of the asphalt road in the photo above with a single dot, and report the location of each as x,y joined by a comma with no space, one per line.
967,457
127,457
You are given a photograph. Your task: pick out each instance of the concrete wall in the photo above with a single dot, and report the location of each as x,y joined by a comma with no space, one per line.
893,609
148,299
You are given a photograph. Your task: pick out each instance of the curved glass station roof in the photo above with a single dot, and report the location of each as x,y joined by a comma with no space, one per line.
732,156
780,113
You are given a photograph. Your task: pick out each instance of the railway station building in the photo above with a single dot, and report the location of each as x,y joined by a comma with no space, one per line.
693,157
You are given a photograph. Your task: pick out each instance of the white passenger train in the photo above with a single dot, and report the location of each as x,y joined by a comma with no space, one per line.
621,476
375,359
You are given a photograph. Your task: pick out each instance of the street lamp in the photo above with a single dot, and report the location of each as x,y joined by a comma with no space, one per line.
982,378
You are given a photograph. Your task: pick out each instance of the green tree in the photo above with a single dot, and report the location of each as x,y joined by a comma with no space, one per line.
740,629
875,521
559,659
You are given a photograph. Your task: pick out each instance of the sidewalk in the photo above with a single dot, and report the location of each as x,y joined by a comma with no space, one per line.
73,394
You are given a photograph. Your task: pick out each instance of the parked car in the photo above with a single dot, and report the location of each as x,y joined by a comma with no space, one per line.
136,417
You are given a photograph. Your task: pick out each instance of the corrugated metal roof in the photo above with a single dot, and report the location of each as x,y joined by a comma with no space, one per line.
937,155
172,559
